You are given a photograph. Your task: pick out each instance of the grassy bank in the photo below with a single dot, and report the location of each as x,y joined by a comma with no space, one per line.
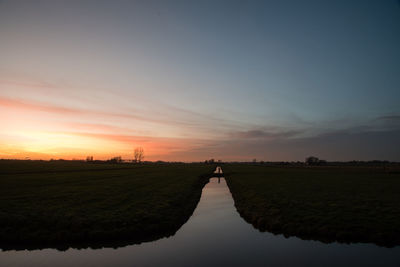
62,204
346,204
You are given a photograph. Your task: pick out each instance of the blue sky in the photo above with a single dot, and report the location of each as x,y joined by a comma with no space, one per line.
273,80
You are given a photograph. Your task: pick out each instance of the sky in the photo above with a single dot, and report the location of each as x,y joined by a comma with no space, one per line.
193,80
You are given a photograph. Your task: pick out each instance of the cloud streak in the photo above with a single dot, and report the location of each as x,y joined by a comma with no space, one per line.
172,117
261,134
376,140
367,145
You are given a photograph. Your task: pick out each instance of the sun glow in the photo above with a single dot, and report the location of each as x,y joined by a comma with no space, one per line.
61,145
43,142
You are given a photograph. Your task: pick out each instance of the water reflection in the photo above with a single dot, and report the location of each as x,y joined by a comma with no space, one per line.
215,235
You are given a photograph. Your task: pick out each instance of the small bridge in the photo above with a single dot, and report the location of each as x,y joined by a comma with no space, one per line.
218,172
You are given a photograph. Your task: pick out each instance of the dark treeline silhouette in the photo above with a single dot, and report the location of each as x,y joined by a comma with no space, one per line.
212,161
318,162
115,159
314,161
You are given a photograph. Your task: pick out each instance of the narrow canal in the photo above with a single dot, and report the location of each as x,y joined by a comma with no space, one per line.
215,235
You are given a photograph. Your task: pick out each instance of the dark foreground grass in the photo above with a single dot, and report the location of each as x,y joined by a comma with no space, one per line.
63,204
345,204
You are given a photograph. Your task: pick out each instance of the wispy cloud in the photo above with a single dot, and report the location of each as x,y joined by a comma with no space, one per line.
234,139
44,107
33,105
172,117
261,134
28,83
390,118
367,145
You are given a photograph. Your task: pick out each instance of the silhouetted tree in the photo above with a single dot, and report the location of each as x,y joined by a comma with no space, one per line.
138,154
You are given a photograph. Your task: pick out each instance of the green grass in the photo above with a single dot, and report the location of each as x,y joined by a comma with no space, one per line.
346,204
61,204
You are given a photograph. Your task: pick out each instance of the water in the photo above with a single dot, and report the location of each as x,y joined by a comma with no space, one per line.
214,236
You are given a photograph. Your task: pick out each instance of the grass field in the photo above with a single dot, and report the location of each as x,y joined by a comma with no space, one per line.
347,204
65,203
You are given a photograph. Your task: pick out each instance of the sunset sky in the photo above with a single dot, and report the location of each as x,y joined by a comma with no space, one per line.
192,80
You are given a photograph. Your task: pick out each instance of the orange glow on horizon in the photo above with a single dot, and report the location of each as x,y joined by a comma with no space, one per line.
56,145
40,131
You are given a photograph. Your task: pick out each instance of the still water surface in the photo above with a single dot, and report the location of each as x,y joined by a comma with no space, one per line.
215,235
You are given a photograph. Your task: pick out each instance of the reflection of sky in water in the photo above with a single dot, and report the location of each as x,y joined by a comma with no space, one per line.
215,235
